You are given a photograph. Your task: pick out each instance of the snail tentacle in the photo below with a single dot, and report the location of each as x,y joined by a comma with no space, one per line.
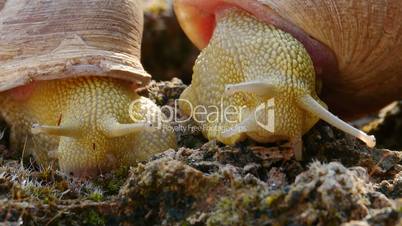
115,129
62,131
309,104
249,124
260,88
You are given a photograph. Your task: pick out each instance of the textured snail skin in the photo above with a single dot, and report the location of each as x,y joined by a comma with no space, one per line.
260,70
85,108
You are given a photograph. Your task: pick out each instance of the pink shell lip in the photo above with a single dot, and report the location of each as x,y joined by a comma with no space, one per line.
22,93
198,16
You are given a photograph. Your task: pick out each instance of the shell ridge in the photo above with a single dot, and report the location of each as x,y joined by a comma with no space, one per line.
46,40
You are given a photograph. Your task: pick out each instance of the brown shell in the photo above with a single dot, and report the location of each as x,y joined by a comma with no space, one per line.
44,40
366,37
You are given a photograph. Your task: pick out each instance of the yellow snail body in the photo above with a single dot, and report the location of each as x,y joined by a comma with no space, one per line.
68,75
254,52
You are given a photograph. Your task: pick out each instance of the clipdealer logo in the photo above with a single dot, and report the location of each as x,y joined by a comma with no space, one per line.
263,116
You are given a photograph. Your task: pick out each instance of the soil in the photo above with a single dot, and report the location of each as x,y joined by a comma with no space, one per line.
339,181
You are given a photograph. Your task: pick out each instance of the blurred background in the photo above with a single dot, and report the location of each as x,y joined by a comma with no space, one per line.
166,51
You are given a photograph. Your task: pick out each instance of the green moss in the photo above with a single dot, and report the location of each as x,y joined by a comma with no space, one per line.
112,182
94,218
270,200
245,206
44,193
96,196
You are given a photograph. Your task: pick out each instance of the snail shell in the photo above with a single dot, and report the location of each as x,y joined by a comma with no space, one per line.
46,40
366,37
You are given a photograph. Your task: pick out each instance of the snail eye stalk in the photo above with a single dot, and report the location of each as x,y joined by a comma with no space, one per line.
114,129
247,125
260,88
63,131
306,102
309,104
110,128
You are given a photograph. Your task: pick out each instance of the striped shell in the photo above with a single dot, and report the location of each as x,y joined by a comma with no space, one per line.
45,40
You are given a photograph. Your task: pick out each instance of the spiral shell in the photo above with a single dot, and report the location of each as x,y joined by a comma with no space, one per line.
46,40
366,37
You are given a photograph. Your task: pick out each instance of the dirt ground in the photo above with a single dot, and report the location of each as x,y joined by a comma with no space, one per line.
204,182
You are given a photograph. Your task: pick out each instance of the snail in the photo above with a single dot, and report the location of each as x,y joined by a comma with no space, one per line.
68,74
272,62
